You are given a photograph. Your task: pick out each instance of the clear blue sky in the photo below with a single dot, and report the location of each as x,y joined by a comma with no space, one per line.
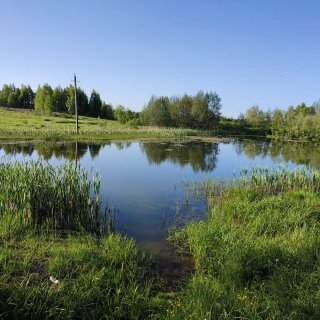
248,51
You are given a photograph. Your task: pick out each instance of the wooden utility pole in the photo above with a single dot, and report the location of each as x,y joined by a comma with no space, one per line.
76,104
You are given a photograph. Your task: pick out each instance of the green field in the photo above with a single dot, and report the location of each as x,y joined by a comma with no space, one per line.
29,125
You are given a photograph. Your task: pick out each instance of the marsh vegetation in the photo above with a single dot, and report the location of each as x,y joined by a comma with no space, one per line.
58,258
256,254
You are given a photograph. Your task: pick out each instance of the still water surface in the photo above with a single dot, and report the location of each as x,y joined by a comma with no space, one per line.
146,181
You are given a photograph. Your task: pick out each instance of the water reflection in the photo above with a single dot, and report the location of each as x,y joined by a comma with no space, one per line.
145,181
122,145
280,151
46,150
201,156
12,149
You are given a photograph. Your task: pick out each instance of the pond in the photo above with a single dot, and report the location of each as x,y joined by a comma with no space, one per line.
146,181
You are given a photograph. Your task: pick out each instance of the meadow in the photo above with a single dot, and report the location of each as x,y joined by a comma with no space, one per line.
23,124
20,124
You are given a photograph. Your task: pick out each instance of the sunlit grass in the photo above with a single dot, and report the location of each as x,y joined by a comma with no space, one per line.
92,280
58,258
16,124
37,195
257,255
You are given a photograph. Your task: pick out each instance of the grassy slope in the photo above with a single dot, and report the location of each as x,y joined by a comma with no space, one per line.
29,125
17,124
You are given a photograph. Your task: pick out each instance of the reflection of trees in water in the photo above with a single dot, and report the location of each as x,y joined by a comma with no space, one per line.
260,148
70,151
201,156
94,150
306,153
122,145
12,149
296,152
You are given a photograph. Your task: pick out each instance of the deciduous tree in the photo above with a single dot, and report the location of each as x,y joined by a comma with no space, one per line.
44,99
59,97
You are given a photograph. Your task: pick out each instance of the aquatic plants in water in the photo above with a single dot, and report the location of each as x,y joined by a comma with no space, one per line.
37,195
52,264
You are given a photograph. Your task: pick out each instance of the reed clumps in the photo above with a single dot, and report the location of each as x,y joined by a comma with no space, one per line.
39,196
56,260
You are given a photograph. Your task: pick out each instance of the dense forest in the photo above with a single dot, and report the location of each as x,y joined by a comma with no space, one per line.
200,111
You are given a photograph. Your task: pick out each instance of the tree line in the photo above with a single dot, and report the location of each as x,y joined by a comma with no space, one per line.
201,111
299,122
12,97
48,100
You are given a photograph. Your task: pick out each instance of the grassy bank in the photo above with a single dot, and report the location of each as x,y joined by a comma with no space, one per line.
257,255
57,258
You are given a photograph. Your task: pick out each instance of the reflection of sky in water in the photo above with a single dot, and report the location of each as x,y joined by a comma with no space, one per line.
147,191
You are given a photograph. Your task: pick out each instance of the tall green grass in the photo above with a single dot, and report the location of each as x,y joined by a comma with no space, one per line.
257,255
39,196
274,181
52,264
